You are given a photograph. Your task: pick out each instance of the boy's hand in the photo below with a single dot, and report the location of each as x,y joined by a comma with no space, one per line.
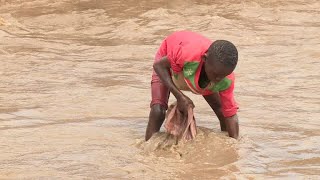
183,103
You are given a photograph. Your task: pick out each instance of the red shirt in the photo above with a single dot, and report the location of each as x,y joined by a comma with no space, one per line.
185,46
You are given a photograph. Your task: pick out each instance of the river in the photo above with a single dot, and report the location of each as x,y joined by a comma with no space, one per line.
75,90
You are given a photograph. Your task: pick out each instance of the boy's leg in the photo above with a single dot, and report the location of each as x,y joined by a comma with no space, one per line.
159,103
214,101
156,118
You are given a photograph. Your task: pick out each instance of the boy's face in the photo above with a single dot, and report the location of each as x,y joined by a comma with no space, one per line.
215,70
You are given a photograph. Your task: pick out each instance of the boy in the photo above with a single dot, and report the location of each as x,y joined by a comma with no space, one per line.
189,61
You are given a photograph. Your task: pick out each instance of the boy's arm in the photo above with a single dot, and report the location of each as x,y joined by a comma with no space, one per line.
232,126
230,108
162,69
230,123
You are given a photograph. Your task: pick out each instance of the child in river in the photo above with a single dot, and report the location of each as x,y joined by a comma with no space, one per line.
189,61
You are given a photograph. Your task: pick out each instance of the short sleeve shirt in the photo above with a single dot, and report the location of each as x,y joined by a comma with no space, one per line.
186,46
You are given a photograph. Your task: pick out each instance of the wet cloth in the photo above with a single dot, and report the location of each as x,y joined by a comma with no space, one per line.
180,126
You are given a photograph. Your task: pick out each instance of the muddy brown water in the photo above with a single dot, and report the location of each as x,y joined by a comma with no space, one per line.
74,90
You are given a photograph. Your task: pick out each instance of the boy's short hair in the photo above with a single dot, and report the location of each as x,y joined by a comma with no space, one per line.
223,51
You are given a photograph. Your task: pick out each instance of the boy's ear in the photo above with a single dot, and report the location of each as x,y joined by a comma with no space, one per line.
204,57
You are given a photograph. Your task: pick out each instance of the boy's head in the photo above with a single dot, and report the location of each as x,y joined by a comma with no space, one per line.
220,60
